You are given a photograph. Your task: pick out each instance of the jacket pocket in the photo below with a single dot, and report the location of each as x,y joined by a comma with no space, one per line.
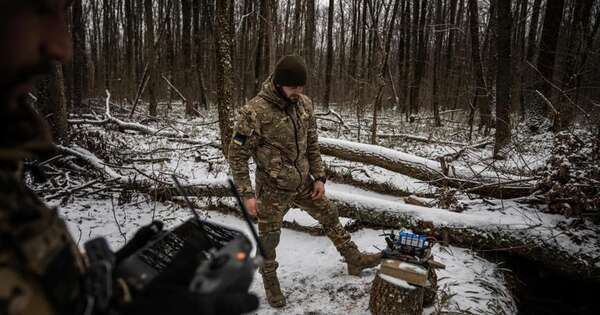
269,161
289,178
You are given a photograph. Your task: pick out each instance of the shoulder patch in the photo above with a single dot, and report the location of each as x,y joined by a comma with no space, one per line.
239,138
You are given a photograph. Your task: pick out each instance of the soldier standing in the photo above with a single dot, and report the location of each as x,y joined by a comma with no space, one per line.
278,129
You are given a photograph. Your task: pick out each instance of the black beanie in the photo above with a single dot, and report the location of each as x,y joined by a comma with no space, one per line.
290,71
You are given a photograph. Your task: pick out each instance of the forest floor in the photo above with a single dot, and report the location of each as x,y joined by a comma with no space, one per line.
98,198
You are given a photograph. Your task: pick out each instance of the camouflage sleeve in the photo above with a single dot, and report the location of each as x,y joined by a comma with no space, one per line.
22,295
241,148
314,154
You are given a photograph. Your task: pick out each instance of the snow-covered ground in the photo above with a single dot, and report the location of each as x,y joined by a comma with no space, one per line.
311,272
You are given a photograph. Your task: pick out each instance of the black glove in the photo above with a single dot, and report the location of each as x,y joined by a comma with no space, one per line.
169,292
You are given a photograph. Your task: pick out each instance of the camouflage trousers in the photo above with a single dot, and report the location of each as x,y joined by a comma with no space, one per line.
273,204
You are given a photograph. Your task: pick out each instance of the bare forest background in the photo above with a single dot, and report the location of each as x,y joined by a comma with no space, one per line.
487,109
495,60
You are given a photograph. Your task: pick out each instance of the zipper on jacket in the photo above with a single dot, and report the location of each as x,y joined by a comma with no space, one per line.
297,150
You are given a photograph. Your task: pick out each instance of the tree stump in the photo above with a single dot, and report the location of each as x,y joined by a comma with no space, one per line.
430,291
394,296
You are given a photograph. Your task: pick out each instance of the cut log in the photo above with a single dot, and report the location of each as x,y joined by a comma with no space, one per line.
391,296
476,179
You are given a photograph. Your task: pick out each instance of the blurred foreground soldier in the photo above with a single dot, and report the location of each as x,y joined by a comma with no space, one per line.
278,130
41,268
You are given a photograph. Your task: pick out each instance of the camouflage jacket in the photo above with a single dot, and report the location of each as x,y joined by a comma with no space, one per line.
40,266
282,139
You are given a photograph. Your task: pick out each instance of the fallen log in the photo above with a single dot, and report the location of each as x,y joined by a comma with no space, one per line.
538,240
476,179
336,174
534,237
421,139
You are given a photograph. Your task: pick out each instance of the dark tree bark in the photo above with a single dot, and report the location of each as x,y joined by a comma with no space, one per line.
198,46
537,109
149,55
262,56
481,97
419,14
309,35
573,68
52,102
191,108
533,28
223,43
309,41
436,91
329,62
80,75
503,77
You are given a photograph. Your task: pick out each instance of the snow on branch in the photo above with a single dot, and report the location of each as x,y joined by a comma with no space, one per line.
480,180
109,119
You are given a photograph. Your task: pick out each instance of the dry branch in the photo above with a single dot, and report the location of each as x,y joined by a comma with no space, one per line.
108,119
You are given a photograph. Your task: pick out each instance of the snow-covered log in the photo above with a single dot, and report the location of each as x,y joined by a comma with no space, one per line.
476,180
532,236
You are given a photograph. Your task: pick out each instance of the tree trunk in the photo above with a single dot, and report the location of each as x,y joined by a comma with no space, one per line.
149,56
436,94
261,56
481,95
580,22
80,75
503,77
191,108
223,42
533,28
537,110
388,298
309,36
329,62
52,101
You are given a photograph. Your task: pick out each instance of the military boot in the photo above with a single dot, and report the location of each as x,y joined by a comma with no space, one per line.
358,261
363,261
273,291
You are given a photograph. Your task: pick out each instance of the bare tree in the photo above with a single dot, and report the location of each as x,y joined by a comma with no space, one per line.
223,44
481,97
503,76
329,62
537,110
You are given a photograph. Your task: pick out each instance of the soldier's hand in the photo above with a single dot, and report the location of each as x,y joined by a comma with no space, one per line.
318,190
250,204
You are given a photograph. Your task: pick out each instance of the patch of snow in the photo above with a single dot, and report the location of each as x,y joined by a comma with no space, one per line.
397,282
